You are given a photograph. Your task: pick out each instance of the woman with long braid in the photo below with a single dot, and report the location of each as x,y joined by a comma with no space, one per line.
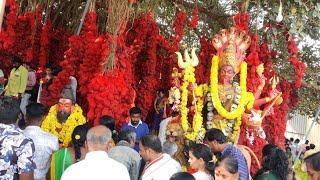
65,157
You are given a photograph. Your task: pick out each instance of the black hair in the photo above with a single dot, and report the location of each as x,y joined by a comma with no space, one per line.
307,148
276,162
203,151
152,142
267,149
307,142
312,146
16,60
314,161
291,139
56,71
216,135
9,110
35,111
127,135
160,91
175,113
229,163
297,141
79,137
110,123
48,65
288,149
135,110
182,176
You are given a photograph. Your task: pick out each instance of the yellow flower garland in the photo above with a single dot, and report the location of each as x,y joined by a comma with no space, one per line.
189,78
197,118
246,98
50,124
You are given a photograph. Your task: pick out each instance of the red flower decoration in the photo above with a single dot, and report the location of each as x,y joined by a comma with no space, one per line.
194,18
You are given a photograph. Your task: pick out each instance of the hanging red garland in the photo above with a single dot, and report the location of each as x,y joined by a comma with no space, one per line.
112,93
44,45
205,55
7,34
178,26
241,21
298,66
194,18
95,53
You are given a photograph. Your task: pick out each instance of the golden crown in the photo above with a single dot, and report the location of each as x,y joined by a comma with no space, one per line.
231,46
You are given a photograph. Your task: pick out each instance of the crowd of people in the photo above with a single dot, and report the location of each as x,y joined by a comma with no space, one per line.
60,144
100,152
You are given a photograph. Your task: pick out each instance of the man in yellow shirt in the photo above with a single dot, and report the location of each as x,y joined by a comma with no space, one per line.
18,79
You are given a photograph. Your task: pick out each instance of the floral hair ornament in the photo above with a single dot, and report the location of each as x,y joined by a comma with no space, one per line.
214,159
77,137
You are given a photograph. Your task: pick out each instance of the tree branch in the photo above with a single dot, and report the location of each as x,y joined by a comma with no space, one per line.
220,18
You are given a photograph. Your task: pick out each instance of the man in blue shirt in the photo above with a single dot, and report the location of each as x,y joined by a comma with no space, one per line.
218,144
136,125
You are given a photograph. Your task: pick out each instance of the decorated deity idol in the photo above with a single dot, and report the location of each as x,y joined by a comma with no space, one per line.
253,120
228,91
63,118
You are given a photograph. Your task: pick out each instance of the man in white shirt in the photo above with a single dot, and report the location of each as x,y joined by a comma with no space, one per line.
160,166
97,165
45,143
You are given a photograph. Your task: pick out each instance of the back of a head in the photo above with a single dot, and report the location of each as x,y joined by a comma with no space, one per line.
202,151
314,161
297,141
98,137
135,110
152,142
216,135
35,111
127,135
277,162
312,146
307,142
182,176
9,110
229,163
79,137
108,121
267,149
307,148
169,148
291,139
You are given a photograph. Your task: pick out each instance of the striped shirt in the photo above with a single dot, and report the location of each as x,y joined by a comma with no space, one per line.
242,163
